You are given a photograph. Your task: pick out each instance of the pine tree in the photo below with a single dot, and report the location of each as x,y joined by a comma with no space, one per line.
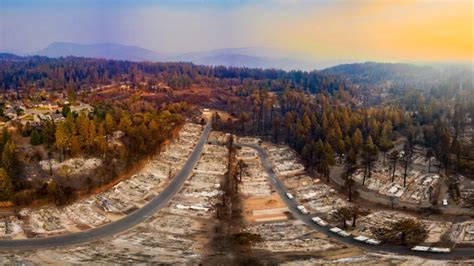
6,186
91,135
276,127
62,136
341,149
71,93
328,159
342,215
109,124
82,125
4,139
125,123
101,139
385,145
75,146
369,153
66,110
393,156
48,133
35,138
71,124
9,159
356,141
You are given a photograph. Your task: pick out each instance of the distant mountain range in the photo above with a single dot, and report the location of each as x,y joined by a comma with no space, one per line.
370,73
9,56
103,50
253,57
238,57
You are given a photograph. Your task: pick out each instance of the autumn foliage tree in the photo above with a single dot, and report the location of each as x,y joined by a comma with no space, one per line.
9,159
6,185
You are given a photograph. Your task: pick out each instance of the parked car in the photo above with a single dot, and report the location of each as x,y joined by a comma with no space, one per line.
319,221
302,209
445,202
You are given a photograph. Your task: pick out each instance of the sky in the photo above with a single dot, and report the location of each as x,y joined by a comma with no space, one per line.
380,30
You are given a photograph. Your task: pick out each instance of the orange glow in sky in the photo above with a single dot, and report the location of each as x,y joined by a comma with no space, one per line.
379,30
382,30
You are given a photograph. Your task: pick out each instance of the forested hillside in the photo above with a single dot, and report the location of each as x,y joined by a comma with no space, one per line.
18,73
421,76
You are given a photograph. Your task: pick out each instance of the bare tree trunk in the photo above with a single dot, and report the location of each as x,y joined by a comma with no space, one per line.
365,175
350,193
49,162
370,169
393,171
405,173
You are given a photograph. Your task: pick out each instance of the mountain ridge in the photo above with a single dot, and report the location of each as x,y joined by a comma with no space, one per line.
252,57
100,50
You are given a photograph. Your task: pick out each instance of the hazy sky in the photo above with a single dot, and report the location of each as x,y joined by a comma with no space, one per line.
389,30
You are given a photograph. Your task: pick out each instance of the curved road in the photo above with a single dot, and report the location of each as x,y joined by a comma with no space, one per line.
123,224
456,253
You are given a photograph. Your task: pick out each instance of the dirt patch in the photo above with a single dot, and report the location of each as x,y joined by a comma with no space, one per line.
341,253
263,209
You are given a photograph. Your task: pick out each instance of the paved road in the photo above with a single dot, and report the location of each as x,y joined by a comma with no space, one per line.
121,225
457,253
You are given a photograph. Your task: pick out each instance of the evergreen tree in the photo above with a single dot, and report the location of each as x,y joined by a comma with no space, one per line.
48,133
102,141
4,138
66,110
62,136
385,145
6,185
276,127
35,138
356,141
9,159
125,123
109,124
369,153
75,145
342,215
